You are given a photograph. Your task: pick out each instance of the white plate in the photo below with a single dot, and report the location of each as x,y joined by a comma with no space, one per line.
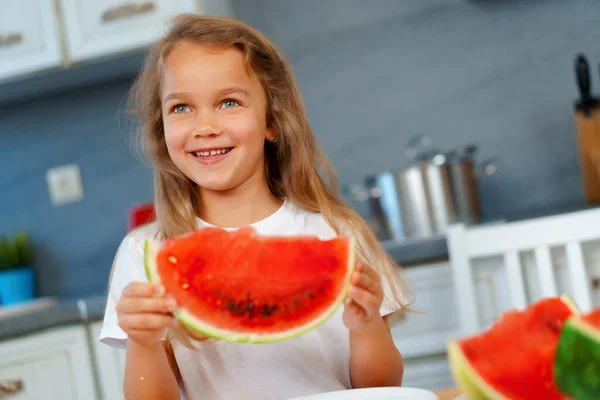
385,393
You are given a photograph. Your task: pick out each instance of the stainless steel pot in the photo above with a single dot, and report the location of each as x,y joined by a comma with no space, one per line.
434,191
383,195
463,177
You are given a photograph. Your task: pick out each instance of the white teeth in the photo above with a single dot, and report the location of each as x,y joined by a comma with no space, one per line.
210,153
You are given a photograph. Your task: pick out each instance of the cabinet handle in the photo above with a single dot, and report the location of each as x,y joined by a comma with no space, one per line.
11,387
127,10
11,38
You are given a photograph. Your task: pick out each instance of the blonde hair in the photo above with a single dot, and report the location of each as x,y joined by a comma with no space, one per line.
295,166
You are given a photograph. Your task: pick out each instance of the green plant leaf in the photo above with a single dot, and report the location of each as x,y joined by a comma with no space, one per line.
21,243
16,252
4,257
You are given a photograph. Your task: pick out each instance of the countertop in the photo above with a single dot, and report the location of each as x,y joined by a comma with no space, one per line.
448,394
52,313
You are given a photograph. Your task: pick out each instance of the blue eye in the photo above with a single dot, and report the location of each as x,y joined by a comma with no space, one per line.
180,108
229,104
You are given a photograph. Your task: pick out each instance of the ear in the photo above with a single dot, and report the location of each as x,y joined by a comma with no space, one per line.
270,136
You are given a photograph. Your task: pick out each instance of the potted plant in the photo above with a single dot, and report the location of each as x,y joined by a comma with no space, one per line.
16,271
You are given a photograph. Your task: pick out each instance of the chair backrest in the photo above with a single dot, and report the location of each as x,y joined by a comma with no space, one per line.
509,240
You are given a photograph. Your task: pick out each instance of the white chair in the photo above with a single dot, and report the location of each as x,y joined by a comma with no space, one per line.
509,240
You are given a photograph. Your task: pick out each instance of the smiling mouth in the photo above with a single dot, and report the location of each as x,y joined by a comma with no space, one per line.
212,152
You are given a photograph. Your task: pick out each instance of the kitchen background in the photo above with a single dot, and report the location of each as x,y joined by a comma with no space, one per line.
373,74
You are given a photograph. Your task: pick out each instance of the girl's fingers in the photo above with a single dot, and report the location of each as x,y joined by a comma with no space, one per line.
365,299
145,322
365,279
370,272
353,308
140,289
362,280
137,305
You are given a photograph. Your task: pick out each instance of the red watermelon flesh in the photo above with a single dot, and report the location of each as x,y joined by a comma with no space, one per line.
244,287
593,318
515,356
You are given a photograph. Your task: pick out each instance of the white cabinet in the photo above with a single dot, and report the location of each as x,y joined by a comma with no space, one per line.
422,337
54,364
29,37
99,28
426,333
110,365
430,372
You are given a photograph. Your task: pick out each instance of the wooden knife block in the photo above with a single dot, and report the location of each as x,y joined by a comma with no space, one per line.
588,138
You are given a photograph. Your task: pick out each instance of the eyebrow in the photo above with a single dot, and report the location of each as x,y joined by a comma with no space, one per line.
226,91
234,89
176,95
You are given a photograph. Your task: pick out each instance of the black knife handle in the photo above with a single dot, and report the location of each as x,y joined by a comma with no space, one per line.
582,72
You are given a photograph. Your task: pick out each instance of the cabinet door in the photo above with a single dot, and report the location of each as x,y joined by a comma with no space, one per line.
18,381
110,365
431,373
99,28
419,334
55,364
29,37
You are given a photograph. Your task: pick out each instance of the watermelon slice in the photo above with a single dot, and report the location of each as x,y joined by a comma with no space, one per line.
513,359
240,286
577,364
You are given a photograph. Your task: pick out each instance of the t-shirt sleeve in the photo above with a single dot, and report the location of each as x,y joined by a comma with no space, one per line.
127,267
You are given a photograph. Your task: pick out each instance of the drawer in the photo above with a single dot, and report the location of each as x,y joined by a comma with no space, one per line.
29,37
418,334
100,28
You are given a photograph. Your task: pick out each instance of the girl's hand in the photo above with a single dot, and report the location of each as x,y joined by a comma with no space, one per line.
144,312
361,310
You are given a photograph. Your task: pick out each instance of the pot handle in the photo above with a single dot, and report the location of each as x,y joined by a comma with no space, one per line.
417,144
467,150
488,167
361,193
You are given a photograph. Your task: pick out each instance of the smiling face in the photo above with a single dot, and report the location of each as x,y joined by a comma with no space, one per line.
214,115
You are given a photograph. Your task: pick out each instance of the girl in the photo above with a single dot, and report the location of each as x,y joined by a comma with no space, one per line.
224,126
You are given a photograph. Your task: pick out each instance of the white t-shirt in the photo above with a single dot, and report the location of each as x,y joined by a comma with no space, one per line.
315,362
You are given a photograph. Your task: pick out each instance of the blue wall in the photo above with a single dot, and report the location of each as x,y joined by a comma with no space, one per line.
498,73
74,244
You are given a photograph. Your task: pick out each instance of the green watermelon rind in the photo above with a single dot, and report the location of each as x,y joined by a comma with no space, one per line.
469,381
569,375
150,250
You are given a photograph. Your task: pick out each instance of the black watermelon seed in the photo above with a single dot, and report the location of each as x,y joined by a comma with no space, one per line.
265,310
297,303
554,326
250,307
232,306
241,307
310,295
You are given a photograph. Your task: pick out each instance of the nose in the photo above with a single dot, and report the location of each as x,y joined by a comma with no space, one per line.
207,126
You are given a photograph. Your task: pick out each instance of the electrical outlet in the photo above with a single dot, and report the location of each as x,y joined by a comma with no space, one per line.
64,184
